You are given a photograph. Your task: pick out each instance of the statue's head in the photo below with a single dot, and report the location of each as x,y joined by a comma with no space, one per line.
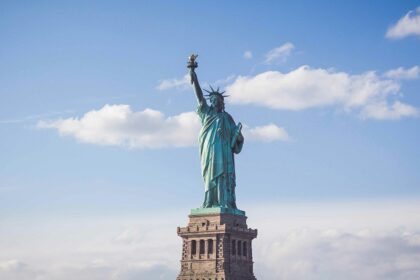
217,99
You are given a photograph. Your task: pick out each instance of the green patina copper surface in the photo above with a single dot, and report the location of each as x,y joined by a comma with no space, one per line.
219,139
216,210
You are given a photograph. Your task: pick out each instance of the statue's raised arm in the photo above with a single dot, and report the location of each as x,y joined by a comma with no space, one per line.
192,64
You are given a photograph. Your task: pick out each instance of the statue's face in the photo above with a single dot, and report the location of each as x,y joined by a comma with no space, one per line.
216,102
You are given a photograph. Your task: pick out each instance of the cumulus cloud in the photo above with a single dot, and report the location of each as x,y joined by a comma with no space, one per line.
267,133
118,125
248,55
305,88
383,111
408,25
279,54
403,74
181,84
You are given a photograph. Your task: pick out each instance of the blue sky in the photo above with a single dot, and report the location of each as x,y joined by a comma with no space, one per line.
96,115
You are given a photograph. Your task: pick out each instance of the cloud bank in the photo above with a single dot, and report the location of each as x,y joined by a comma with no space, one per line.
305,241
334,254
305,87
118,125
353,240
408,25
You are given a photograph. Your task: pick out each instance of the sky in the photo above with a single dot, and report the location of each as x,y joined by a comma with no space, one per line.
98,147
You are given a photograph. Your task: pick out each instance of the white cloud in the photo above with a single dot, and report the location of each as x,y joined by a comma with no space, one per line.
17,270
364,240
279,54
306,241
406,26
404,74
12,265
306,87
382,111
248,55
118,125
181,84
267,133
336,254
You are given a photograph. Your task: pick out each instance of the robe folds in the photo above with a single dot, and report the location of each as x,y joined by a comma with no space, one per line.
217,156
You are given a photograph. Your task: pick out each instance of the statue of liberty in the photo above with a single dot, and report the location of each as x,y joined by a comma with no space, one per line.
219,139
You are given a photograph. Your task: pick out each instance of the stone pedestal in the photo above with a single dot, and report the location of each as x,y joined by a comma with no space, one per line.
216,246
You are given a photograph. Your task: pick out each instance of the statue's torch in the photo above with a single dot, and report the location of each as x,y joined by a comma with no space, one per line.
192,64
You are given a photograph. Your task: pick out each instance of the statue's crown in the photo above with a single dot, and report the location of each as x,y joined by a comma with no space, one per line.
212,91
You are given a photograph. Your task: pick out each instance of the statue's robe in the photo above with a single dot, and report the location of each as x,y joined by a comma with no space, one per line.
217,156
